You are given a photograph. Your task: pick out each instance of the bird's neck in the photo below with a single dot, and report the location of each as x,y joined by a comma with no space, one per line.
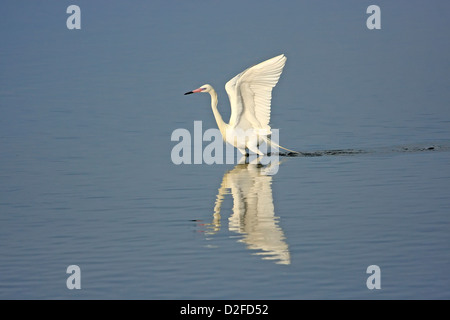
220,123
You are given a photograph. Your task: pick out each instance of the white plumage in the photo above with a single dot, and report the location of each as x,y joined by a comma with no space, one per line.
250,95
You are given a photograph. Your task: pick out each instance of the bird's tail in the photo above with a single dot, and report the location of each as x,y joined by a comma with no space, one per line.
269,141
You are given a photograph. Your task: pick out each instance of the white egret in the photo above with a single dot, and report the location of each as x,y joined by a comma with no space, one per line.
250,94
253,215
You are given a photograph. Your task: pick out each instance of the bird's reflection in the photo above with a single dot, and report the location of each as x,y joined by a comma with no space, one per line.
253,211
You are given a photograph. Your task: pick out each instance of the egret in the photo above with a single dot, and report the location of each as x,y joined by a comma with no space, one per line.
250,95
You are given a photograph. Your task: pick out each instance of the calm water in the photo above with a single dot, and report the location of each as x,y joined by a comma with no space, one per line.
86,176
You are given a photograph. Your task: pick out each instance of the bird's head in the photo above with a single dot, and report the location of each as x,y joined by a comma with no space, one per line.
203,88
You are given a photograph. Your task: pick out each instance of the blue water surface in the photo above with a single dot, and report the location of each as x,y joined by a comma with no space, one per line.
87,179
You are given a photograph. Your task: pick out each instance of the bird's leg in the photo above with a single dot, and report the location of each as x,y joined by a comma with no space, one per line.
243,151
243,160
256,161
253,147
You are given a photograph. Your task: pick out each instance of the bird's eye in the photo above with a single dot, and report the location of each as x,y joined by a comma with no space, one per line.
203,89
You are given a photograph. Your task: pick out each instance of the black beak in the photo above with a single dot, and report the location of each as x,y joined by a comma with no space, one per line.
188,92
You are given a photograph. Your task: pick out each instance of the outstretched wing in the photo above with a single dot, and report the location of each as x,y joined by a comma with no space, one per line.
250,94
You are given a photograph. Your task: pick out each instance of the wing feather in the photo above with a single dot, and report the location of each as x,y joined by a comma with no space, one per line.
250,94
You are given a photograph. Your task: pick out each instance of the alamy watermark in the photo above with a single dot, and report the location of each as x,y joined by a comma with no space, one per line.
74,20
74,280
208,146
374,280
